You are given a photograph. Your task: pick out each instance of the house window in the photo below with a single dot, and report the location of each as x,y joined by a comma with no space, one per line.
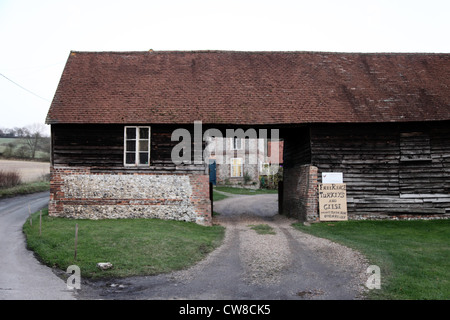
237,144
236,167
415,146
137,146
264,168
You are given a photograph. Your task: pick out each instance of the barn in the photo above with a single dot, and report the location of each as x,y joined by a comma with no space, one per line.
380,119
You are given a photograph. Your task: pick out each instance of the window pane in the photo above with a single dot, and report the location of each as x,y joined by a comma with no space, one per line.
137,149
143,133
236,167
130,158
143,145
131,145
237,143
131,133
143,157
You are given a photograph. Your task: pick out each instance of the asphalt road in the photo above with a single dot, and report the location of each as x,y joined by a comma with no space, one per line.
22,276
287,265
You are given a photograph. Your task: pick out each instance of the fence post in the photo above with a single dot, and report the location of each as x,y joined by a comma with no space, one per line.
40,222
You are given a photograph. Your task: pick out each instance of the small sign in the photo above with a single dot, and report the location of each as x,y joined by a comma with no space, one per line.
332,177
332,202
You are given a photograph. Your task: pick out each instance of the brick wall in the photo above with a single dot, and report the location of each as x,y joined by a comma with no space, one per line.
200,198
79,193
300,193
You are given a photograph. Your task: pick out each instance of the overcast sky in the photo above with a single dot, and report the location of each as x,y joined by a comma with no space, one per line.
36,36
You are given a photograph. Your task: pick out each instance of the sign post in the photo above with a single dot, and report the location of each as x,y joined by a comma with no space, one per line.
332,202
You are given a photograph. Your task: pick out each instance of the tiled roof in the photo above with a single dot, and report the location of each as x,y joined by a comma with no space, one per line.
245,88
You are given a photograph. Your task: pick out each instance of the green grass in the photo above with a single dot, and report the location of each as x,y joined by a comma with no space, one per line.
133,246
218,196
245,191
17,143
262,229
413,256
4,142
25,188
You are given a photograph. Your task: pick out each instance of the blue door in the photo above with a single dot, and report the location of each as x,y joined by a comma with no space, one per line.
212,171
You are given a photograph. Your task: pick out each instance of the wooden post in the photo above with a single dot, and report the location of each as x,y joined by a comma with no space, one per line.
280,197
31,219
40,222
76,241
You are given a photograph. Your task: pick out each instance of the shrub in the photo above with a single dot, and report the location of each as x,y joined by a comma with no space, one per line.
270,181
247,177
9,179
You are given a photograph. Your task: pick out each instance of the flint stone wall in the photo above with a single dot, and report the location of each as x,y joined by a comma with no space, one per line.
224,178
127,187
81,195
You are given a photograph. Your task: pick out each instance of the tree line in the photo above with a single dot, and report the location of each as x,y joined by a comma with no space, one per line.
28,142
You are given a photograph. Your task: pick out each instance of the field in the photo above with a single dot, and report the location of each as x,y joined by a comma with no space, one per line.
17,148
29,170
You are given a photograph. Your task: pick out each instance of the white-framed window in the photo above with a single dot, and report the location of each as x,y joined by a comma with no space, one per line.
236,143
136,146
236,167
264,168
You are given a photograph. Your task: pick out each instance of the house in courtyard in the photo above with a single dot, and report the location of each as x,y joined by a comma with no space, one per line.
243,161
382,120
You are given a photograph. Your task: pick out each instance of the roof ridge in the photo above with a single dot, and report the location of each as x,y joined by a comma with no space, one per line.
251,87
151,51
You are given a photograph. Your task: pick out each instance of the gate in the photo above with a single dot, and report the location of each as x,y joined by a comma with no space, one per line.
212,171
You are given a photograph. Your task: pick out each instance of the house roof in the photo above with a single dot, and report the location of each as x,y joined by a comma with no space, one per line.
250,88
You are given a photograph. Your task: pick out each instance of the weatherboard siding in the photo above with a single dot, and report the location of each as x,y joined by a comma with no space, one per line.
379,180
101,147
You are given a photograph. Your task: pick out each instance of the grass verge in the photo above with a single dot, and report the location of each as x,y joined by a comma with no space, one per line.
133,246
413,256
245,191
25,188
218,196
262,229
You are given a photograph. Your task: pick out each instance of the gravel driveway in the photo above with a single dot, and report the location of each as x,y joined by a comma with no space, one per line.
286,265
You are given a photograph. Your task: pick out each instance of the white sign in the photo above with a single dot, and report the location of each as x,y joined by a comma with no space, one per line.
332,202
332,177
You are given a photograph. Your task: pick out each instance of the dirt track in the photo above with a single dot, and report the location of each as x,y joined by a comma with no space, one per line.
287,265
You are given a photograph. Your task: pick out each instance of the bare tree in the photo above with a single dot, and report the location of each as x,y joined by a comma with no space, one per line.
32,136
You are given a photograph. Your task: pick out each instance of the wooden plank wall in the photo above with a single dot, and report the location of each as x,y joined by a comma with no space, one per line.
379,179
101,148
296,147
87,145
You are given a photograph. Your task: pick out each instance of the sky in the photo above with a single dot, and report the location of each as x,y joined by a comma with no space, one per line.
36,37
